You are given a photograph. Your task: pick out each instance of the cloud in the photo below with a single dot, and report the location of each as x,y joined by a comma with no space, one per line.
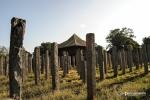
83,25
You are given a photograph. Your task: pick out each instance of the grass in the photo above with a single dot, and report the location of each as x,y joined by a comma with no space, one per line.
72,88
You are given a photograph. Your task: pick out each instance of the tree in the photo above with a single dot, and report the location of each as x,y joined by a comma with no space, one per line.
45,46
3,50
146,40
121,37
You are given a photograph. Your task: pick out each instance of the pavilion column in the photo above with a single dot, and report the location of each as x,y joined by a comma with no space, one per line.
91,65
15,64
61,61
73,61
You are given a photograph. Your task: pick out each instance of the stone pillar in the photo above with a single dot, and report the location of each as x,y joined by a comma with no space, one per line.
47,65
105,61
69,63
91,65
129,57
119,59
61,61
26,61
24,67
84,71
73,61
78,62
123,61
1,65
145,58
15,68
37,65
109,60
115,60
65,63
33,63
54,67
140,56
43,64
100,53
136,58
83,68
5,65
30,63
148,52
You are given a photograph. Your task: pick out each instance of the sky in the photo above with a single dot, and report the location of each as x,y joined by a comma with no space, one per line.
57,20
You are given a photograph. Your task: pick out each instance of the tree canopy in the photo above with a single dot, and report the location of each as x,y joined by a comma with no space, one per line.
3,50
121,37
146,40
45,46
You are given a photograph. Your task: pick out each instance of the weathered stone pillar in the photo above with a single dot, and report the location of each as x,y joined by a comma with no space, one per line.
109,60
115,60
47,65
145,58
91,64
54,67
148,52
26,62
15,68
69,63
78,62
119,59
65,63
136,58
6,65
33,63
30,63
73,61
140,56
123,61
84,71
24,67
100,53
61,61
1,65
37,65
105,61
129,57
43,64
